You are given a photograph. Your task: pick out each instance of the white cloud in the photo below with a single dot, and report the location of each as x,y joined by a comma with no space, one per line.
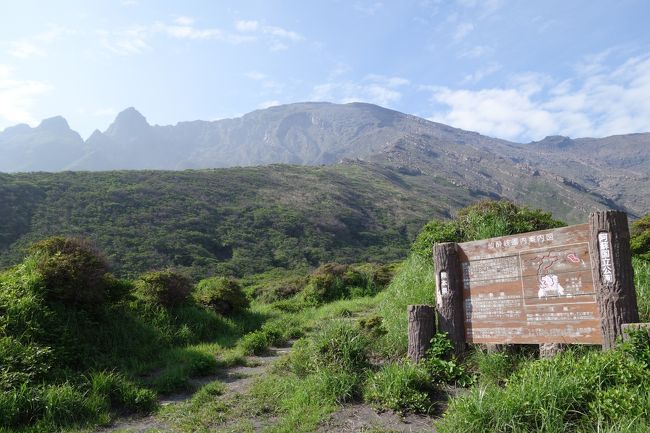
339,69
184,21
190,32
485,7
369,9
17,97
38,44
256,76
476,52
613,100
125,42
482,72
137,39
24,49
462,30
276,37
281,33
247,25
266,83
375,89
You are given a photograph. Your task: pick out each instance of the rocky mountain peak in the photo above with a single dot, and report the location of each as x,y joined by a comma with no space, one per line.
56,124
128,122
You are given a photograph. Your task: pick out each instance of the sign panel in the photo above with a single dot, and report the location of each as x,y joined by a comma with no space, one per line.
530,288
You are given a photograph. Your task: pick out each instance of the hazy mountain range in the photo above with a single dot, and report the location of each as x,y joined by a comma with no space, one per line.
568,176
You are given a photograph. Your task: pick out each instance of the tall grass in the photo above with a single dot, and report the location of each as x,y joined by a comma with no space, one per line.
642,284
575,391
414,283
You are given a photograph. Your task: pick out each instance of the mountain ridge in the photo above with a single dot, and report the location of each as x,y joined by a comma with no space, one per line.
612,171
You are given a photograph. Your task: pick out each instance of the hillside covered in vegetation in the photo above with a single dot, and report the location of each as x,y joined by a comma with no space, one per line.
227,221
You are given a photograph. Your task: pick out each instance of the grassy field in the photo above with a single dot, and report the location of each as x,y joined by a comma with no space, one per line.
81,348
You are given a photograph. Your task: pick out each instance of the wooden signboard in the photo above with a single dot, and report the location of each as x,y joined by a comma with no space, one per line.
569,285
533,288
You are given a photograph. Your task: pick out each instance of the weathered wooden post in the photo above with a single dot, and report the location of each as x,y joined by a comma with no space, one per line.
421,329
449,293
609,243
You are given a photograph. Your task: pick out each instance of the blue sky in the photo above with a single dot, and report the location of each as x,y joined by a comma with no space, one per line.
513,69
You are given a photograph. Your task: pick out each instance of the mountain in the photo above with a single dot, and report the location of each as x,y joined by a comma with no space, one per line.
51,146
568,176
361,182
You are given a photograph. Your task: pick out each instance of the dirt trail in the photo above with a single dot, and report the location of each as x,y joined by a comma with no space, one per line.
238,380
360,418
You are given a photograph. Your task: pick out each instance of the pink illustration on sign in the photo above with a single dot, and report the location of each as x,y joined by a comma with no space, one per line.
573,258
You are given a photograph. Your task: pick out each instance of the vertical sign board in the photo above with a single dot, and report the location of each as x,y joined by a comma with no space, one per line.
532,288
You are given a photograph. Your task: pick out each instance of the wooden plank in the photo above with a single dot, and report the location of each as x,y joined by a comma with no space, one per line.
511,245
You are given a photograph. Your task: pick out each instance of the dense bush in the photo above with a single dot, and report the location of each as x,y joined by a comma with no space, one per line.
223,295
333,281
482,220
74,271
166,288
640,241
283,288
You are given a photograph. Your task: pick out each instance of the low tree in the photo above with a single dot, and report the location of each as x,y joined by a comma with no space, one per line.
223,295
166,288
73,269
484,219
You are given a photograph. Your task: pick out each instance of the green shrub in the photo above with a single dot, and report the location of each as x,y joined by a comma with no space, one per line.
333,281
482,220
400,386
326,284
442,365
74,271
22,362
435,231
223,295
373,326
337,345
254,343
640,237
166,288
285,288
